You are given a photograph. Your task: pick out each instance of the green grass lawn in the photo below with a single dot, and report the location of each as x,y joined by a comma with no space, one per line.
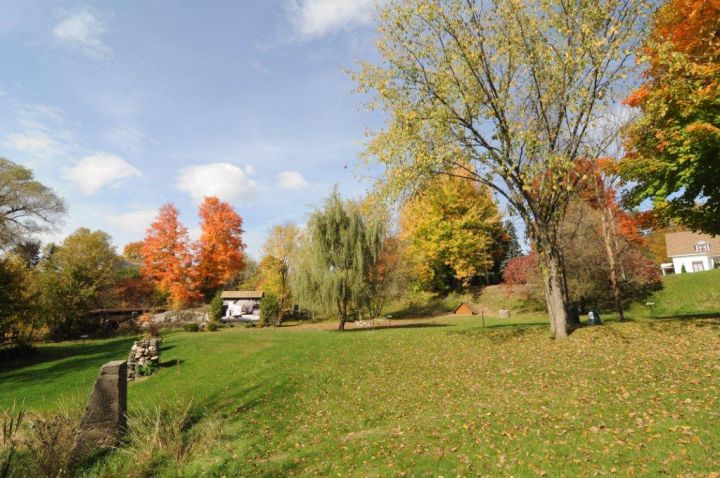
693,294
423,398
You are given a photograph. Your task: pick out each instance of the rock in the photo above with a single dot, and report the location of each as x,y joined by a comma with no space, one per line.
105,414
504,314
141,354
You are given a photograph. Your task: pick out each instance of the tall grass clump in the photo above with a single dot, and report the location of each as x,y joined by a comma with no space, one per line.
50,440
164,435
9,441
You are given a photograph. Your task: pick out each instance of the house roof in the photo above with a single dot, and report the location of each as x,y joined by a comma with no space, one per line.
463,309
242,294
683,243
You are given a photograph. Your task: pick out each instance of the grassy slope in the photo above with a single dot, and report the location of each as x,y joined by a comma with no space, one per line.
447,397
683,295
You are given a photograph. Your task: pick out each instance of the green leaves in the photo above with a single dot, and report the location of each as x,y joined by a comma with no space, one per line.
674,145
26,205
340,248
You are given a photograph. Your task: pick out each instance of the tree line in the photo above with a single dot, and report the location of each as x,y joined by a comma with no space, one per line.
511,102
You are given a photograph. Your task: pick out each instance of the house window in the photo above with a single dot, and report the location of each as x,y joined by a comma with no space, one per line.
702,246
698,266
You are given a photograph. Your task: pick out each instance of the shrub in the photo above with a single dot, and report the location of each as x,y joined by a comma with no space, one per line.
191,327
51,442
216,308
213,326
148,369
269,309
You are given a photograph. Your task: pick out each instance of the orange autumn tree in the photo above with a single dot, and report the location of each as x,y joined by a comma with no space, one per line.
673,145
220,249
167,258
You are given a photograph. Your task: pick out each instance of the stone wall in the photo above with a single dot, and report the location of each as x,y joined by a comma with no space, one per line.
179,317
142,353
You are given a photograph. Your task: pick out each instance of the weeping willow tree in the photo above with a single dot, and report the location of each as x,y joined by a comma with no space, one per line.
339,249
510,93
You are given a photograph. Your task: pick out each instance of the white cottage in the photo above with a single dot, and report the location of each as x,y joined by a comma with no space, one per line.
691,251
241,305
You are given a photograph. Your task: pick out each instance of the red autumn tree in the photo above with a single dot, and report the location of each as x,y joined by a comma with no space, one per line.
520,270
167,258
220,249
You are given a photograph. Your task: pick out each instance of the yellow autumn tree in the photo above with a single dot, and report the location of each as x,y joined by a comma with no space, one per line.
513,92
447,230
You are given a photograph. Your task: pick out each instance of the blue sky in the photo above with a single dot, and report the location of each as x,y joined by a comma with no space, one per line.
123,106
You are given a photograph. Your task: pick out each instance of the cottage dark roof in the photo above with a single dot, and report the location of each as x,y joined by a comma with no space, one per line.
242,294
680,243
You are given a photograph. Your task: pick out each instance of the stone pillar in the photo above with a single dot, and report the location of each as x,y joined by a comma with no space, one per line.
105,414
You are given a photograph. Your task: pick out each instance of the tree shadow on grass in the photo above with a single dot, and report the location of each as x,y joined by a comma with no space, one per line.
69,358
681,317
171,363
390,327
499,333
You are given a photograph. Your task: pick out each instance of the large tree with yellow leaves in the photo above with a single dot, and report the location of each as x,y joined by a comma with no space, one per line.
509,91
450,228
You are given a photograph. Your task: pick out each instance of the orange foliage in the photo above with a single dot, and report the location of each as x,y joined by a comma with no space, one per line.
387,262
132,292
220,249
599,193
689,24
167,258
690,27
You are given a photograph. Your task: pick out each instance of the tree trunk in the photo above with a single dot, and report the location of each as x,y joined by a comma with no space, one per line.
342,311
612,262
556,293
281,304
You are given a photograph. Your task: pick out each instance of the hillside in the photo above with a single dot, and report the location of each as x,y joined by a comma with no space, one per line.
428,397
682,295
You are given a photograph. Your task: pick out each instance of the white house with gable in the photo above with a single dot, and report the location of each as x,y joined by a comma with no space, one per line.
692,252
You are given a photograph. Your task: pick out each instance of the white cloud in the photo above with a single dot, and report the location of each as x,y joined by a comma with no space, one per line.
98,170
132,222
226,181
34,142
83,30
292,180
315,18
42,132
